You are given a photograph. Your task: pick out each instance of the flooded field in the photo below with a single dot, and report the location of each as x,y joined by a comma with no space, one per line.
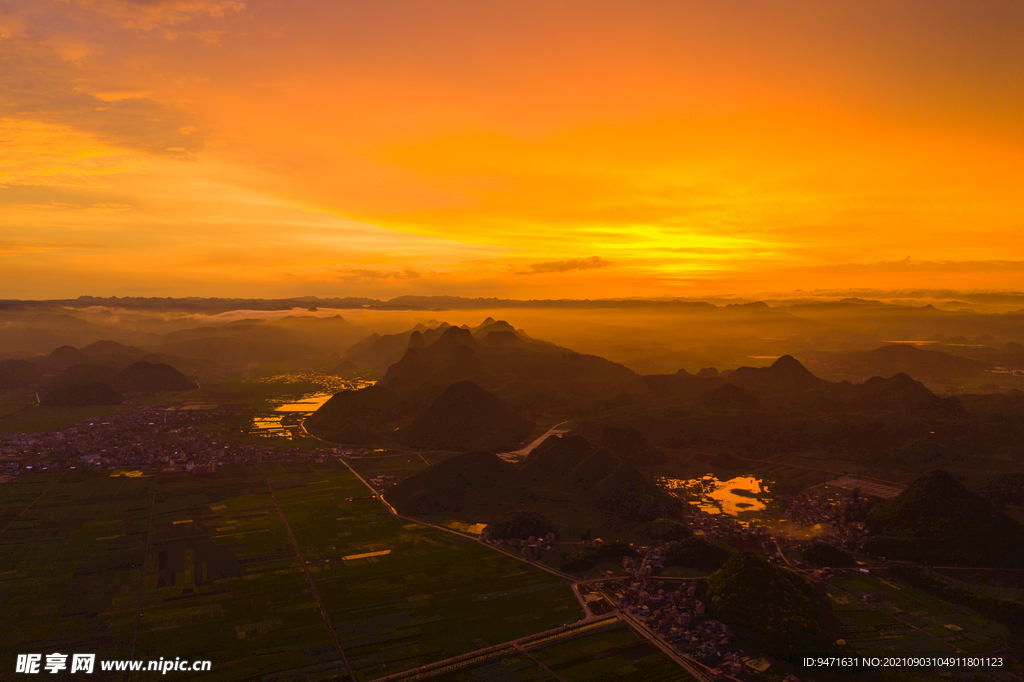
285,419
272,427
742,496
308,404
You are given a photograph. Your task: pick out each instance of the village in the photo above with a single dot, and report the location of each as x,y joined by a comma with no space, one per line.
144,438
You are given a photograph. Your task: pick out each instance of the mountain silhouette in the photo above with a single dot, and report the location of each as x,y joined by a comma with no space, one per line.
82,395
785,375
478,484
938,520
376,353
729,397
572,466
905,358
773,608
630,445
522,371
467,417
149,376
356,416
17,374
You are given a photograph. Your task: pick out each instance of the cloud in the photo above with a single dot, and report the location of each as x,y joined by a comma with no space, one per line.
149,14
38,153
40,85
908,265
8,249
10,25
565,265
122,95
70,48
355,274
109,208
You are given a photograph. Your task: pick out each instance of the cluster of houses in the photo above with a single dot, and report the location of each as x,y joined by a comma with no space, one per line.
532,547
143,438
676,615
829,512
383,482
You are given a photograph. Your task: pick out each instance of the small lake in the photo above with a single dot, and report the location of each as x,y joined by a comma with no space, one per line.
742,496
309,403
285,419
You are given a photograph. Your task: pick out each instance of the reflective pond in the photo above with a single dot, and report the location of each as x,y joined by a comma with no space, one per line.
740,496
285,421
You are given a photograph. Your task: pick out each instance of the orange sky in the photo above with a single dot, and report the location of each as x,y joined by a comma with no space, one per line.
518,149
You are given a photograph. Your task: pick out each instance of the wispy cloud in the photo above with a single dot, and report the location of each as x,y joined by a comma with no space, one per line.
565,265
149,14
378,275
909,265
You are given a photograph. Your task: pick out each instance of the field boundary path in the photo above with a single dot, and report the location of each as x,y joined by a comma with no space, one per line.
588,619
32,503
309,578
540,664
142,570
688,664
521,645
945,643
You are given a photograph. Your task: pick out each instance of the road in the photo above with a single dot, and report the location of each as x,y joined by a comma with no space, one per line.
32,503
556,430
309,578
688,664
522,645
588,619
142,571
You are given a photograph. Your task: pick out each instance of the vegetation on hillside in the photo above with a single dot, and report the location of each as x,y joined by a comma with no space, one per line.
697,552
467,417
937,520
520,524
823,554
667,530
82,395
774,609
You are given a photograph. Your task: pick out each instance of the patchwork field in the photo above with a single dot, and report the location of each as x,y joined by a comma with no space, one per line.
400,466
615,654
70,565
400,594
903,620
39,419
224,584
220,579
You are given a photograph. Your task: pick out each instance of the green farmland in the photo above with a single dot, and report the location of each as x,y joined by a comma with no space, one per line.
37,419
616,654
70,564
400,466
202,567
903,620
223,583
431,596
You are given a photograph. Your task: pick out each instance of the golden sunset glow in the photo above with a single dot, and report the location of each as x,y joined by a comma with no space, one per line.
529,150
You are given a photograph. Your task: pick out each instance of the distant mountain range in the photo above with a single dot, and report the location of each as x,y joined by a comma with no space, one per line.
213,347
96,374
540,381
452,382
931,366
527,374
217,305
785,384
